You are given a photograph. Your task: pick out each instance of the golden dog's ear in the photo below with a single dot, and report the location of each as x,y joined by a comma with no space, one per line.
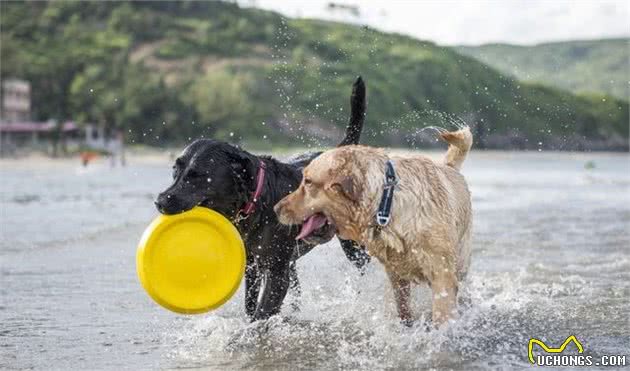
345,185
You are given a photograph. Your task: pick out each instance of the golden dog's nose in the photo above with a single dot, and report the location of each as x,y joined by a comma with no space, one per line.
283,212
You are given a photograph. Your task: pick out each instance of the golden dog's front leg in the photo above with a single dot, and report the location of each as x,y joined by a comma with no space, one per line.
444,286
402,293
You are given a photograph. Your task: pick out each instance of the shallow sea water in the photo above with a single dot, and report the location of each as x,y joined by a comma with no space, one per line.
551,258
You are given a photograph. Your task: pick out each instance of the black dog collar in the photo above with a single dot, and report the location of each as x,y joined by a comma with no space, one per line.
385,208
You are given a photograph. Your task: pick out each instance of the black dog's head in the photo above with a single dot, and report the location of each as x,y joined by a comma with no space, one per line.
206,174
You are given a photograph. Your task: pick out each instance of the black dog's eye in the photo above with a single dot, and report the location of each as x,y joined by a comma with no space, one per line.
193,174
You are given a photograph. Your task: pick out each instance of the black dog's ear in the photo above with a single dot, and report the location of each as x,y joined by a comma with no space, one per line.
236,167
239,162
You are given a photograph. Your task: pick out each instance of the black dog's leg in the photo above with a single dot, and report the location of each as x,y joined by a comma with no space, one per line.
356,254
294,284
252,287
274,289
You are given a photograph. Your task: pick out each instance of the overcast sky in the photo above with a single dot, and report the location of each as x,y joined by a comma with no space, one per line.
475,21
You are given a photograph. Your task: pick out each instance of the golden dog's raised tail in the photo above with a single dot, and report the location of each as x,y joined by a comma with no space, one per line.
459,143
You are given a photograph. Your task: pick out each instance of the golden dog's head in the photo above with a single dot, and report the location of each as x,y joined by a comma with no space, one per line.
328,197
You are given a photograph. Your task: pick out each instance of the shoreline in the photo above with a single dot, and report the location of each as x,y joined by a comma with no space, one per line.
158,156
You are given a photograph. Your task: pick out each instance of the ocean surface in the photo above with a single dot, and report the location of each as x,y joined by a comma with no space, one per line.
551,259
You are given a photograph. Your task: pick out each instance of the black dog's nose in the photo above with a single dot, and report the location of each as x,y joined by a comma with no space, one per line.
170,204
158,206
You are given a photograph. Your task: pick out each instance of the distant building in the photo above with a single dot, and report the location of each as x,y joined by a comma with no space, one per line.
343,9
16,101
19,134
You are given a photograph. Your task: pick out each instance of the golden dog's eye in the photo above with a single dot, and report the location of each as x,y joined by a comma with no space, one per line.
307,182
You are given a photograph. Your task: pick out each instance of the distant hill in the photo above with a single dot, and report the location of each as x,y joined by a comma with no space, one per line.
601,66
167,72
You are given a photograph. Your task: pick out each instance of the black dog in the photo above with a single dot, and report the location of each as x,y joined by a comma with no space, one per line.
244,188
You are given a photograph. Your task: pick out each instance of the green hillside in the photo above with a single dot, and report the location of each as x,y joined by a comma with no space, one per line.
579,66
165,72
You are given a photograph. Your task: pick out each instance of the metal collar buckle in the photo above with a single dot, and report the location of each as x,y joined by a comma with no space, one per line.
382,220
390,183
240,216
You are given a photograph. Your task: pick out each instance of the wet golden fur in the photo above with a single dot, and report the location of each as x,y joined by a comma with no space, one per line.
428,237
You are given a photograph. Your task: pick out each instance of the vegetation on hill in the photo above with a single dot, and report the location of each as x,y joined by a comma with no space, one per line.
579,66
166,72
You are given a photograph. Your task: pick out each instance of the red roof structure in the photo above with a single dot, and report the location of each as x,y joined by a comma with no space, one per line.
31,127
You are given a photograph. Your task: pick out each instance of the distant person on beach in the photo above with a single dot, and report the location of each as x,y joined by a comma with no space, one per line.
87,156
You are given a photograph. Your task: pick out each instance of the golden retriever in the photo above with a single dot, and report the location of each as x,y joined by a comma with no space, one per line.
428,237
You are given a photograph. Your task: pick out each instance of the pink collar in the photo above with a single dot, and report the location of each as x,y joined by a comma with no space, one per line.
250,206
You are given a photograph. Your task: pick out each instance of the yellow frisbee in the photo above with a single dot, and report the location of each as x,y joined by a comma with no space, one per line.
191,262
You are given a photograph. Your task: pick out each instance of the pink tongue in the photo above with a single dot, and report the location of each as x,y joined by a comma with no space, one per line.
311,224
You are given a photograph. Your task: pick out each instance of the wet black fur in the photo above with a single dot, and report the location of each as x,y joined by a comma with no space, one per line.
222,177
